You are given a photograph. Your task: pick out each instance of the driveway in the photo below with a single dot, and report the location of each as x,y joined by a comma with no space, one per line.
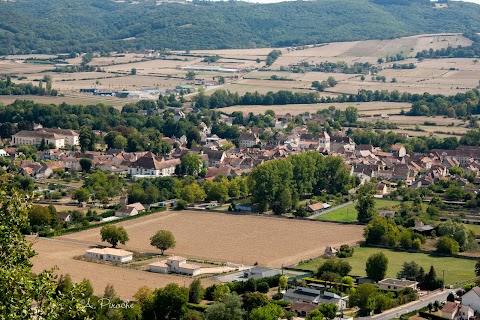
414,305
314,216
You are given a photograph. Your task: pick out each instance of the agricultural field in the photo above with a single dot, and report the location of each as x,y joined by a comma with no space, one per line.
370,50
70,99
56,253
363,107
474,227
349,213
445,76
456,269
241,239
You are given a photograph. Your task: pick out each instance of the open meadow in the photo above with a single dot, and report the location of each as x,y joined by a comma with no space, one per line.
456,269
349,213
233,238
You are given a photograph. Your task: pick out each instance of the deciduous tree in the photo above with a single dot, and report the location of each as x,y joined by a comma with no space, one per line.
376,266
163,240
114,235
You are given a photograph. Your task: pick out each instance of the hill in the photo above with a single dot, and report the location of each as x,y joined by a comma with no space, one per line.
52,26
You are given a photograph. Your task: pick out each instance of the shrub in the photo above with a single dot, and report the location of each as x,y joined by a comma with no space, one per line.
263,287
345,251
181,205
277,296
447,245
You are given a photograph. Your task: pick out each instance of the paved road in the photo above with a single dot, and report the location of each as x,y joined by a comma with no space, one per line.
314,216
415,305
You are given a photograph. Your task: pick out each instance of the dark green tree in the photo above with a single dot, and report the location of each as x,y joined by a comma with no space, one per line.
113,235
163,240
376,266
196,292
170,302
365,203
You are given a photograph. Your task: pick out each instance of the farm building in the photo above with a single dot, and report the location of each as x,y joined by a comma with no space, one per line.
317,207
109,254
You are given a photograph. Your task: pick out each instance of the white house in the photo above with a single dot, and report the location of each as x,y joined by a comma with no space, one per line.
71,137
465,313
175,265
390,284
450,310
248,140
472,299
149,166
109,254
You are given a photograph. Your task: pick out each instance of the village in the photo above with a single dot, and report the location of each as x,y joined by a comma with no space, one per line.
391,171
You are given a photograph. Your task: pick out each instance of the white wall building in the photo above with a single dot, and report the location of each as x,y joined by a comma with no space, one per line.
175,265
109,254
34,138
149,166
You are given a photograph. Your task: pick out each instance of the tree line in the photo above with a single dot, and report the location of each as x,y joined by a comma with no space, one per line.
454,52
279,184
8,87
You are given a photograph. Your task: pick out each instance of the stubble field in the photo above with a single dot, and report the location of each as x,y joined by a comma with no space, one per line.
363,107
233,238
53,253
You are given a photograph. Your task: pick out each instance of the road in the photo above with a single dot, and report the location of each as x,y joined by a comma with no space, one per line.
314,216
415,305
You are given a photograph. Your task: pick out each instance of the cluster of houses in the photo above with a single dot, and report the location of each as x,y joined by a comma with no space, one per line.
364,161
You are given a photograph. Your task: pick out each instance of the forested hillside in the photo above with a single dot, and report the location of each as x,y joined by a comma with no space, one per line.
52,26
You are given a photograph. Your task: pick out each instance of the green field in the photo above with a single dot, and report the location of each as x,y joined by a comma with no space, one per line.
456,269
349,214
474,227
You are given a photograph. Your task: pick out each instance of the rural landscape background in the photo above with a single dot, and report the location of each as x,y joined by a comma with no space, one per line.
234,160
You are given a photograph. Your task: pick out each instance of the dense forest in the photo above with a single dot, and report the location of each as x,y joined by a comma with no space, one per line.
102,25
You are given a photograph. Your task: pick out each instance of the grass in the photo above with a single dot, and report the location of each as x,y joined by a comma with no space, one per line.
474,227
349,213
456,269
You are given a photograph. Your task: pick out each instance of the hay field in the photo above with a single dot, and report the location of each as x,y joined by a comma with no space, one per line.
18,67
69,99
120,83
233,238
439,120
354,85
445,130
363,107
370,50
54,253
151,65
425,42
234,53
